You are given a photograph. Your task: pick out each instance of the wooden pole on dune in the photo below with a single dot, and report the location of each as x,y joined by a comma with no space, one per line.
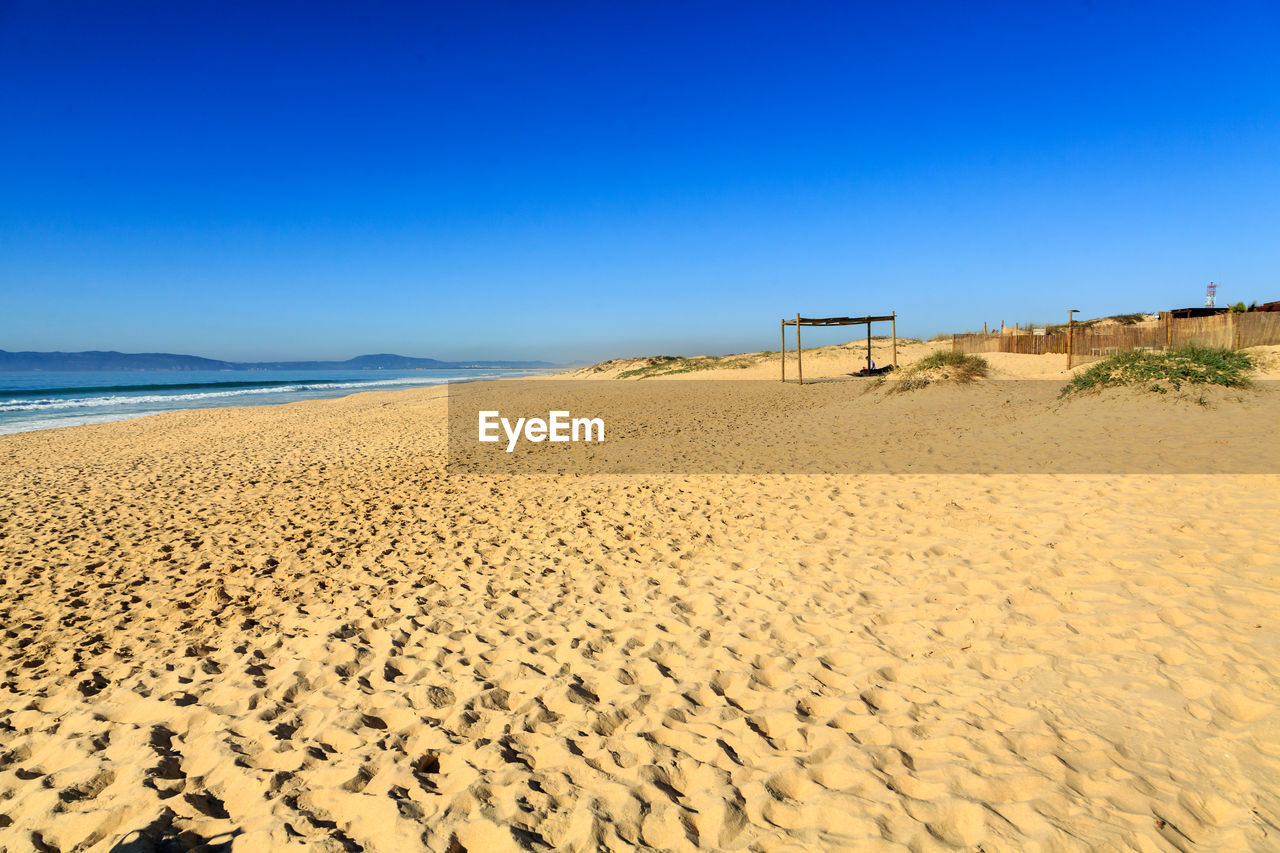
868,345
784,350
799,363
1071,328
893,325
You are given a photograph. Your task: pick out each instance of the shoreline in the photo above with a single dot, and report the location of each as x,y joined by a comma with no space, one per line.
305,389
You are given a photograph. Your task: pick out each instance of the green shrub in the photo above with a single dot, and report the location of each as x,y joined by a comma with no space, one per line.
955,365
1160,371
944,365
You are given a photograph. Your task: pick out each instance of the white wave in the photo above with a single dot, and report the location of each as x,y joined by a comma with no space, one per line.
32,424
180,401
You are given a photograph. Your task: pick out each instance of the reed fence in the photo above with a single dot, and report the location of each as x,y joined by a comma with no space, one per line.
1228,331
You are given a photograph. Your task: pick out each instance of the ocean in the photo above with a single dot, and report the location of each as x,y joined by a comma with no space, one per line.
45,400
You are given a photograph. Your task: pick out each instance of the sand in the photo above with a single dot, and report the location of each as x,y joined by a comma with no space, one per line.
286,628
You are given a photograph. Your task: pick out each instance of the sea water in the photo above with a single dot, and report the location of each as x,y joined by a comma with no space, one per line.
33,400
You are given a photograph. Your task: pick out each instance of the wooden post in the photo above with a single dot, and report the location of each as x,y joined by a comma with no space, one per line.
984,327
894,327
799,363
1168,330
868,345
1071,328
784,350
1235,330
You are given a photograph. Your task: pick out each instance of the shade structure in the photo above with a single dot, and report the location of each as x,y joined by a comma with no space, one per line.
891,318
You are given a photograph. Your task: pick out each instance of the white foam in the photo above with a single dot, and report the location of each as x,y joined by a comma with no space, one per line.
26,415
194,396
33,424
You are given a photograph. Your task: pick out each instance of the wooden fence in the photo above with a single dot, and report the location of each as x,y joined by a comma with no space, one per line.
1228,331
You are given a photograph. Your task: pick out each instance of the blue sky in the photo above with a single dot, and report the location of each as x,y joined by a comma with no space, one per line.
584,181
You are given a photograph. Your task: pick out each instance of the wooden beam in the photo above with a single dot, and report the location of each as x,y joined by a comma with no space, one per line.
784,350
893,318
799,363
841,321
1071,327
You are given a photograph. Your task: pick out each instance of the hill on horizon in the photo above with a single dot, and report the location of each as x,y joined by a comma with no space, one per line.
110,360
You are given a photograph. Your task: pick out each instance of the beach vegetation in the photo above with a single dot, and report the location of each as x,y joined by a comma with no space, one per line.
1113,320
942,366
1161,372
670,365
1127,319
959,366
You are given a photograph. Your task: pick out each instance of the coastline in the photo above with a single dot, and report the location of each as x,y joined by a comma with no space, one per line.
29,402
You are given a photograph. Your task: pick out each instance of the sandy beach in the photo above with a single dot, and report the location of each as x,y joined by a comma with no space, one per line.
289,628
599,427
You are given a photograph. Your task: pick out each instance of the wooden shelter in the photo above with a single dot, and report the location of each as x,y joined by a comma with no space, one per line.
891,318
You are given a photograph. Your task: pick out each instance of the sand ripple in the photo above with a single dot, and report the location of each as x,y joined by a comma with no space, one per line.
287,628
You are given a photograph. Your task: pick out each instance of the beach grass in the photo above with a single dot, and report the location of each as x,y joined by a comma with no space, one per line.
959,366
1114,319
1162,371
942,366
670,365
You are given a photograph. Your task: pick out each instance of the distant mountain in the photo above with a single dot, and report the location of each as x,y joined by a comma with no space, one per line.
97,360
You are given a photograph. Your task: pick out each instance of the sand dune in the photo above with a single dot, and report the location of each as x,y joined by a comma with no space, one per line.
839,360
287,628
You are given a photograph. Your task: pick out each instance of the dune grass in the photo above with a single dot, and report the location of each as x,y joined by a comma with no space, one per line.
954,365
668,365
1162,371
942,366
1117,319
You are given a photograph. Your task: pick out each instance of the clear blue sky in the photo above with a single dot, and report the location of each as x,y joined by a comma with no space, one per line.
583,181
